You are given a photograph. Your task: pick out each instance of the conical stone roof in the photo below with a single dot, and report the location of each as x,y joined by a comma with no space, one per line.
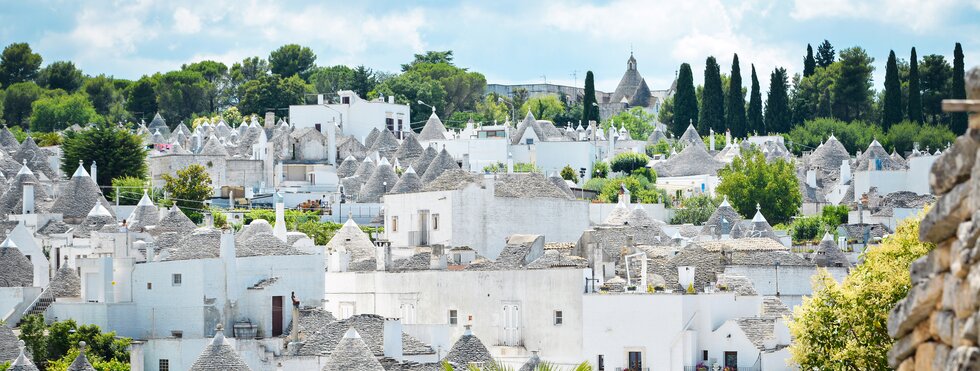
468,349
65,284
213,147
691,137
158,123
371,137
693,160
81,362
22,363
7,140
9,344
219,356
96,218
352,239
34,157
352,354
433,129
382,180
15,269
78,197
722,220
829,155
145,214
422,163
408,183
385,144
347,167
12,200
829,255
175,221
409,150
444,161
365,169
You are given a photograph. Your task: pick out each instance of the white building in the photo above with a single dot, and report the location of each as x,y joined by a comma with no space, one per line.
354,115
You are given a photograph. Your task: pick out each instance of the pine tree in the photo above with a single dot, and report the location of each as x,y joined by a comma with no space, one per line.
685,101
958,91
825,54
754,119
777,102
892,111
915,92
809,64
712,99
735,102
589,110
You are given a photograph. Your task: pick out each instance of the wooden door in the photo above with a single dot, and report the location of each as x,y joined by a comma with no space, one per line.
276,315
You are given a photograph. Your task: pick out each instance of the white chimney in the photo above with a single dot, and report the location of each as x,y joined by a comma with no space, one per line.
280,228
332,143
28,204
393,338
319,99
685,276
95,174
270,119
391,99
381,259
711,138
728,138
811,178
510,163
227,254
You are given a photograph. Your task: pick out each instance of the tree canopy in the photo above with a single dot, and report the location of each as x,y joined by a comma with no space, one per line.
637,121
59,112
750,180
116,151
189,188
685,101
60,75
18,63
292,59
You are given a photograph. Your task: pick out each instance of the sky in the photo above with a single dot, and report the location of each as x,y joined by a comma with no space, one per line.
509,41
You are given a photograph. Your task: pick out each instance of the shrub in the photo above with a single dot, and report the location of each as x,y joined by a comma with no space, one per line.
627,162
568,173
600,170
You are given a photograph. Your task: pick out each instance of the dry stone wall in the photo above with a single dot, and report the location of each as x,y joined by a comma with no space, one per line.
936,326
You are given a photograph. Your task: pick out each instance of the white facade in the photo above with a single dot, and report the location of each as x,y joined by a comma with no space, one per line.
355,116
914,179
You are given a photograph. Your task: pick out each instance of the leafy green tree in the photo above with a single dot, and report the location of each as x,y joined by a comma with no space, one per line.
754,121
59,112
893,94
832,216
32,330
637,121
18,63
935,75
590,112
363,80
842,325
116,151
735,102
411,88
330,80
100,92
520,95
958,90
915,92
142,98
217,91
292,59
247,70
181,95
129,189
825,54
809,63
431,57
852,90
545,107
778,115
600,169
627,162
695,210
568,173
713,99
855,135
18,101
751,180
666,113
685,101
806,229
641,190
492,109
189,189
272,92
60,75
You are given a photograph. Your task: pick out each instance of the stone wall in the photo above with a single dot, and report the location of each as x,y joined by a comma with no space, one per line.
936,325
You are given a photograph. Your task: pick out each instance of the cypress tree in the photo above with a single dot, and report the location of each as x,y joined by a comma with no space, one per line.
589,111
958,86
712,99
777,102
915,93
893,94
685,101
809,64
825,54
735,103
754,119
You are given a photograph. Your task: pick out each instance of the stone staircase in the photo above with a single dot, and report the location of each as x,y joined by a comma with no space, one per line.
38,307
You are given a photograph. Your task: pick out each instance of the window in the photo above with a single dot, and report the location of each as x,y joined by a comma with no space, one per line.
529,141
164,365
176,279
601,362
435,222
318,127
635,361
345,100
559,318
394,224
390,123
704,355
149,285
400,124
453,318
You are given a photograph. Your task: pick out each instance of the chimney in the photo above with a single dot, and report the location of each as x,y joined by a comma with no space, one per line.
28,204
391,99
280,228
319,99
382,259
510,163
393,338
208,219
332,143
270,120
94,174
711,138
728,138
227,254
811,178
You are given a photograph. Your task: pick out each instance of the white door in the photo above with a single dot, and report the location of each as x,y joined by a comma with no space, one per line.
408,313
346,310
92,287
512,325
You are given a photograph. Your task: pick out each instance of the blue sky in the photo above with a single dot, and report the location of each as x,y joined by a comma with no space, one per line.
508,41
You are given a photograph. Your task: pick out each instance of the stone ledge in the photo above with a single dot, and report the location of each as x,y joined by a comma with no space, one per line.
946,215
917,306
953,166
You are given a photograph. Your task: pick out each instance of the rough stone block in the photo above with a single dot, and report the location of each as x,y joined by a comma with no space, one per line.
950,286
965,300
941,326
917,306
907,365
921,269
963,359
960,256
953,166
950,210
925,353
968,333
905,347
941,258
941,353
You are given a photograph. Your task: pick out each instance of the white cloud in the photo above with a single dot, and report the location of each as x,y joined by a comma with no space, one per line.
186,22
920,16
